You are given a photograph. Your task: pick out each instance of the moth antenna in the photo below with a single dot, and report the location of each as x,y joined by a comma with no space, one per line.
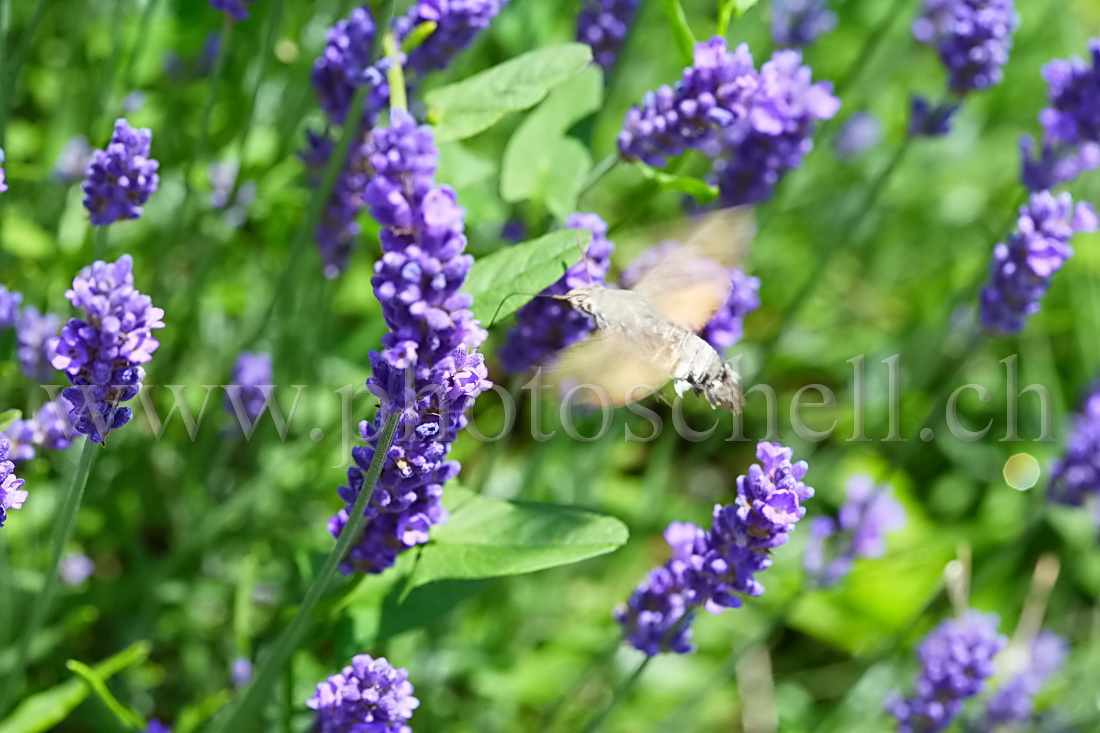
515,295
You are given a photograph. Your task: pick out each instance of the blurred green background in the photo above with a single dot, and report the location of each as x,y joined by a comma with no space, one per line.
204,547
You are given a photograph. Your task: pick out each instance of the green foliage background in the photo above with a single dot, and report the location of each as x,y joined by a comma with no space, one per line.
203,547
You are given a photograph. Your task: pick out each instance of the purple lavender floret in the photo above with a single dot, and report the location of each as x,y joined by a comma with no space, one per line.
545,326
368,696
1076,475
928,120
155,726
859,133
1022,268
10,300
858,530
251,373
235,9
659,614
12,493
713,569
726,327
3,184
34,330
1014,702
120,179
345,63
956,660
1071,124
603,25
973,39
338,228
49,428
72,161
102,356
800,22
776,134
241,671
713,94
458,22
428,371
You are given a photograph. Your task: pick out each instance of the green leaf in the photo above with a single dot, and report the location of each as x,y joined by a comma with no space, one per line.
463,109
566,177
123,714
744,6
532,158
502,282
43,711
487,538
7,417
681,33
193,716
702,191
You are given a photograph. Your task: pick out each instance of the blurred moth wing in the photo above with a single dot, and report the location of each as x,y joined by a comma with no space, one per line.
646,336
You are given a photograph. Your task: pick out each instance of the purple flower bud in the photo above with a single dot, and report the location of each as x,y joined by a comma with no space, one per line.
712,569
956,660
458,23
34,330
800,22
120,179
102,355
241,671
10,300
1013,703
858,530
859,133
367,695
1076,476
72,161
603,25
250,373
429,371
235,9
12,494
972,37
1022,268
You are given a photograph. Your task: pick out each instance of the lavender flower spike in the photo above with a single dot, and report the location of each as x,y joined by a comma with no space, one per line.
10,300
49,428
1071,124
713,569
776,134
12,494
34,331
972,37
800,22
1076,476
713,94
956,660
235,9
102,355
545,326
458,22
3,184
345,64
1014,702
250,373
1022,268
367,695
429,370
120,179
857,531
603,25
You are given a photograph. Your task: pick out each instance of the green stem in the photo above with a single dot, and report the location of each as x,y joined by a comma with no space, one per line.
243,712
99,248
395,75
621,694
9,76
212,97
40,608
681,32
139,42
602,168
552,713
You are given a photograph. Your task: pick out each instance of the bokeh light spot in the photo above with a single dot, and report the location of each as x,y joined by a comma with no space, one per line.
1021,471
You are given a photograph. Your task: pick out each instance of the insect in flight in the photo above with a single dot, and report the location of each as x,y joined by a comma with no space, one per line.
646,335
